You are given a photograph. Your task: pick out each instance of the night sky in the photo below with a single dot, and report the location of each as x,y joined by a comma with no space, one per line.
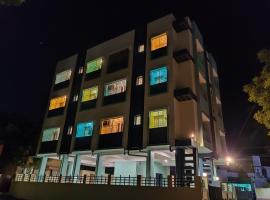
37,34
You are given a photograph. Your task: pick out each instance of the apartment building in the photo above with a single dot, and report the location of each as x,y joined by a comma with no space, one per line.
144,103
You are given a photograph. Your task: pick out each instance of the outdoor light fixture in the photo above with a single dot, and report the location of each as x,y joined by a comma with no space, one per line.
204,174
216,178
192,136
229,160
166,161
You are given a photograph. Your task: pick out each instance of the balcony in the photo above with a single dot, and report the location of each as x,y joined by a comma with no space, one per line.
158,88
82,143
61,85
108,141
182,55
200,63
56,112
181,25
159,53
116,98
88,104
92,75
48,147
158,136
184,94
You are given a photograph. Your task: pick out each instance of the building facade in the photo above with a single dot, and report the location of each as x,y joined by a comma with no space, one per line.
144,103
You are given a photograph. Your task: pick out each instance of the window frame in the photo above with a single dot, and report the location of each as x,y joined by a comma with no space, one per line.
149,118
139,116
138,83
67,72
57,107
155,69
109,83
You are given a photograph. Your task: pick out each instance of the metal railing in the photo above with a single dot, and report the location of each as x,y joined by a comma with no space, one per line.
170,181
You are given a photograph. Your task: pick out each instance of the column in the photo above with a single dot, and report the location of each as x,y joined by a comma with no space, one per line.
42,167
70,168
77,165
179,162
64,165
150,164
100,169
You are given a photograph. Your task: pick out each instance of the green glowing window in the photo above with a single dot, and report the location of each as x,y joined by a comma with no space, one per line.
50,134
158,118
85,129
90,94
94,65
62,76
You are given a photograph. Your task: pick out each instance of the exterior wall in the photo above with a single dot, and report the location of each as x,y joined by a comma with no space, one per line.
37,191
59,121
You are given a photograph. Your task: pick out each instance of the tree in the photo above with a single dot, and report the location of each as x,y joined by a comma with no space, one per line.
19,137
11,2
259,90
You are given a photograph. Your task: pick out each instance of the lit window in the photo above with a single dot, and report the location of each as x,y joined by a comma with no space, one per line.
85,129
115,87
141,48
94,65
158,118
159,41
137,120
62,76
75,98
58,102
70,129
112,125
139,80
90,94
81,70
50,134
158,75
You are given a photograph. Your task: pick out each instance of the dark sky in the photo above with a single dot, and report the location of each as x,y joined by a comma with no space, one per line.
37,34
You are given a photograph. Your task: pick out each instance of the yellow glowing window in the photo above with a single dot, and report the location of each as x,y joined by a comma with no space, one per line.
58,102
159,41
90,94
158,118
112,125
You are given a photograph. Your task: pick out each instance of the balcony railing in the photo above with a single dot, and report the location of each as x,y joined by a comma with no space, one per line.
170,181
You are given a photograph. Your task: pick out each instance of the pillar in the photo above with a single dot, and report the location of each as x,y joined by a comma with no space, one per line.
150,164
77,165
42,167
70,168
64,165
179,162
100,169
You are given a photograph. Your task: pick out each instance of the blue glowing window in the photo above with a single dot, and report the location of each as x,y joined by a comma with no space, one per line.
84,129
158,75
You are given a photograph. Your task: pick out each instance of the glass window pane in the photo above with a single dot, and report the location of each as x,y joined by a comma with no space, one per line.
112,125
159,41
94,65
139,80
158,75
57,102
85,129
158,118
50,134
115,87
137,120
62,76
90,94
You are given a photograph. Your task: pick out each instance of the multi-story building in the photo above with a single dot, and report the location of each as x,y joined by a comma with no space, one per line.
144,103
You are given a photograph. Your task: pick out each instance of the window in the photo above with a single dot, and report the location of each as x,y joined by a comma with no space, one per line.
75,98
158,118
94,65
115,87
70,130
159,41
137,120
112,125
81,70
158,75
58,102
50,134
62,76
85,129
141,48
139,80
90,94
